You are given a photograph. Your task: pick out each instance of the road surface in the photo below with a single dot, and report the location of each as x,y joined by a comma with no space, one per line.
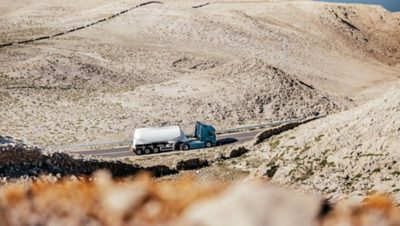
120,152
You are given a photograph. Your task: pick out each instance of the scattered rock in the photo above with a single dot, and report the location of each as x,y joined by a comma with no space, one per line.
237,152
270,172
191,164
161,170
18,159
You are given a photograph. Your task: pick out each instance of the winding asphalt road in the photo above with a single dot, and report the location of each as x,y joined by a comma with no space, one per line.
121,152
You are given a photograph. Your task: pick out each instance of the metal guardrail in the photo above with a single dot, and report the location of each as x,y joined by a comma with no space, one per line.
128,142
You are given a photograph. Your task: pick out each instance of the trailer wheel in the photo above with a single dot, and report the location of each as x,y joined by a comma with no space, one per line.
147,150
156,149
138,151
185,147
208,144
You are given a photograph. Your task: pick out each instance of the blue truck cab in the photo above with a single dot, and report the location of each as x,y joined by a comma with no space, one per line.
203,137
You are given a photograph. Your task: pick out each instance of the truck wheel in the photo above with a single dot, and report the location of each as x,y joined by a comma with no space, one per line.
185,147
208,144
147,151
156,149
138,151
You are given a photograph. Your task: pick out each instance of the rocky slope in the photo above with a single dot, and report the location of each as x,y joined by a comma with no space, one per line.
269,93
245,91
227,63
354,23
19,160
345,154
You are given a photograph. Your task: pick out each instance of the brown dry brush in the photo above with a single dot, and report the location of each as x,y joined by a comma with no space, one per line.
375,209
101,200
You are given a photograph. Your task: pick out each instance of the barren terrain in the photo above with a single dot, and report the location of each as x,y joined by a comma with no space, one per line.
226,63
91,71
344,155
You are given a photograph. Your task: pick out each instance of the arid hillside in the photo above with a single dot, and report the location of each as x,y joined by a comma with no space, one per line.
91,71
226,63
348,154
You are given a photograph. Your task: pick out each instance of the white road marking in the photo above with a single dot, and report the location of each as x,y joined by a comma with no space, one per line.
110,153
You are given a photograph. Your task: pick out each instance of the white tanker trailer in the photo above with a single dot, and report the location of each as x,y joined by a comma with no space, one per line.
168,138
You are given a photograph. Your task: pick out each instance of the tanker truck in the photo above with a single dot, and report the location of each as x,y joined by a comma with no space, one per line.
169,138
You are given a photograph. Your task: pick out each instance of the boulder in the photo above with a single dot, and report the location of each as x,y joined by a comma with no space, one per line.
256,204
